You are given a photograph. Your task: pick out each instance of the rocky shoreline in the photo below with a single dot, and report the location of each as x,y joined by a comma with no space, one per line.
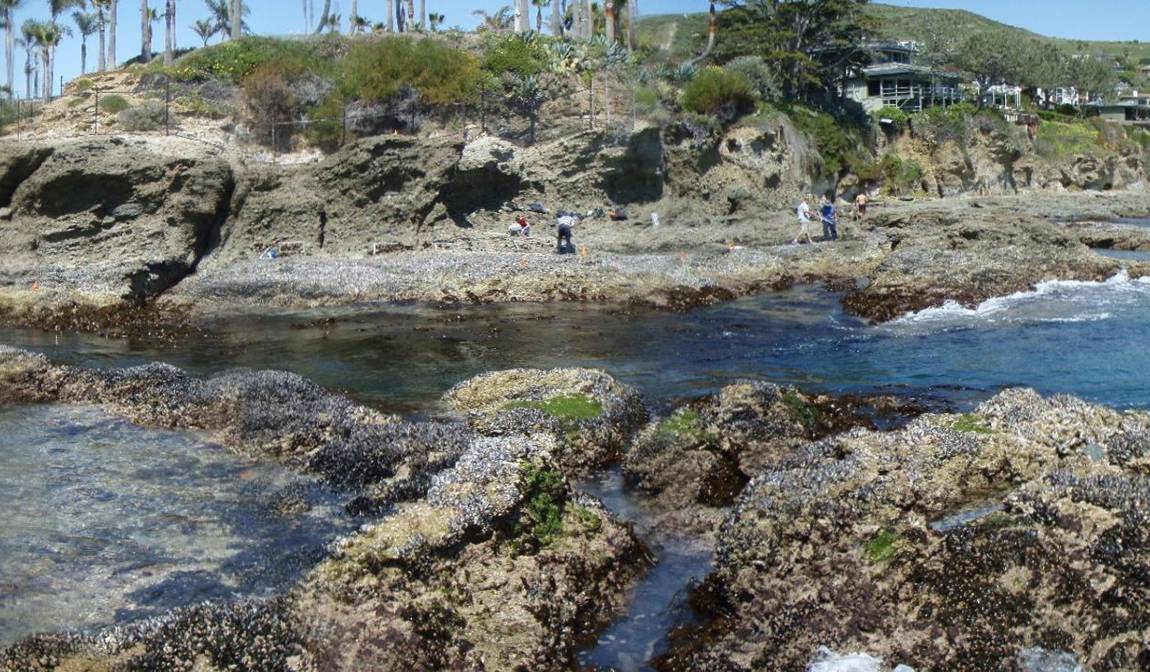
94,229
1004,536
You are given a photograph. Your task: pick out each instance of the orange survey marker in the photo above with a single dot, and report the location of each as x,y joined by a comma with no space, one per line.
583,251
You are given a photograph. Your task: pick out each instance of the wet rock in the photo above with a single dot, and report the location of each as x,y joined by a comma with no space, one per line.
832,545
591,414
499,567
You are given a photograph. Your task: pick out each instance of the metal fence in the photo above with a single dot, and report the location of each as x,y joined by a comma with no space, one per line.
264,138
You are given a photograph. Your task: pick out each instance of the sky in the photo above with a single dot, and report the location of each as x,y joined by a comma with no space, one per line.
1079,19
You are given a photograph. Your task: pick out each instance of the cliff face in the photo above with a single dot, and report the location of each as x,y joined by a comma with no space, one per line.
987,156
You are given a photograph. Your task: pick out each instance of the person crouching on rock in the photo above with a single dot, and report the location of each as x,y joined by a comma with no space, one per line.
804,215
830,220
565,222
521,227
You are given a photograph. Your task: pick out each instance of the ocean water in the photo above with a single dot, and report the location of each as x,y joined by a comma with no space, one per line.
1082,338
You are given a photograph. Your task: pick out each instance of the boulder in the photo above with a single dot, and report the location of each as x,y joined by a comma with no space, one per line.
977,542
590,413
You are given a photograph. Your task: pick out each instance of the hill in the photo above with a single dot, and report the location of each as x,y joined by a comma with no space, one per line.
680,35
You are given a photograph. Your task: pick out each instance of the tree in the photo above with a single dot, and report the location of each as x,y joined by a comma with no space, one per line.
54,36
113,11
220,14
990,57
169,31
45,35
31,72
528,95
556,18
435,21
522,16
498,22
811,44
204,30
8,18
85,26
101,7
147,16
539,5
236,19
323,17
353,21
423,14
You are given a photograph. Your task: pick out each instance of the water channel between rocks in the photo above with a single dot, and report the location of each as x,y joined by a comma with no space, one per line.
113,521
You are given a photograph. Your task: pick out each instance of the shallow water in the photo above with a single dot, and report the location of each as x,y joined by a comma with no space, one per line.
106,521
1087,339
659,602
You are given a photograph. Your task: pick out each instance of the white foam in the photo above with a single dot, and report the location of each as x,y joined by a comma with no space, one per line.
829,661
1051,301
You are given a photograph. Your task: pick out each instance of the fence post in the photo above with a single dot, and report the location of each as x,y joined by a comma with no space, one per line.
343,135
96,112
275,141
167,106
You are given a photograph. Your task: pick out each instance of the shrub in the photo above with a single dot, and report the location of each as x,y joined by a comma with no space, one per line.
83,85
839,145
236,60
900,176
113,104
268,94
897,118
759,74
441,74
541,518
718,92
148,116
1057,140
513,54
938,125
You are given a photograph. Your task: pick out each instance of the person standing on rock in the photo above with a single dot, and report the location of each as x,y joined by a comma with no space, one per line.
804,215
830,217
860,206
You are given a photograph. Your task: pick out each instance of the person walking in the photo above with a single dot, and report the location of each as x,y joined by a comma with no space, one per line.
830,220
804,214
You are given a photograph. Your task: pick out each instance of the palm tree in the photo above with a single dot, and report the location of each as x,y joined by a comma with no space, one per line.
31,72
53,37
219,12
362,25
236,19
539,5
147,16
498,22
204,30
423,14
411,14
8,18
632,17
353,26
323,17
556,18
85,25
169,31
113,6
391,16
101,16
435,21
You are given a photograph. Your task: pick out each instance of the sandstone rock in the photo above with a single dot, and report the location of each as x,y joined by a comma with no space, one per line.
108,217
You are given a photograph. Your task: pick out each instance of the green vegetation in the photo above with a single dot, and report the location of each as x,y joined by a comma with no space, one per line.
236,60
898,176
971,423
541,518
378,70
716,91
898,119
590,521
685,426
841,145
567,407
1058,140
801,408
83,85
882,546
113,104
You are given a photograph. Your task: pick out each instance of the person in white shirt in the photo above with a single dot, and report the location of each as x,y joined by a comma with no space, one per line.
804,215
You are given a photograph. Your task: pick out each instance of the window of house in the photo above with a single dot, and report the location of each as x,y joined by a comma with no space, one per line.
874,88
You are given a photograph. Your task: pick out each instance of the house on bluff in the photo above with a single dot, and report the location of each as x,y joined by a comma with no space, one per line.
894,78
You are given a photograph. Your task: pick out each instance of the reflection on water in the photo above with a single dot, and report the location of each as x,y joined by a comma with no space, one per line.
106,521
1070,337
